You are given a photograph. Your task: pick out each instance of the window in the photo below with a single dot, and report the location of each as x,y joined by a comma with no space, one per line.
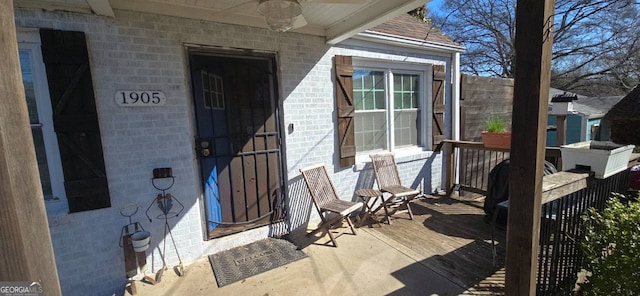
64,122
213,92
406,94
39,108
369,92
595,132
387,108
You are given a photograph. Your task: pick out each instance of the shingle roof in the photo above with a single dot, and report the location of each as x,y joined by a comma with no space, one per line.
592,107
628,108
407,26
595,107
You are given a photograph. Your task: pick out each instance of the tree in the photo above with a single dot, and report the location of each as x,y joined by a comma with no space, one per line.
419,13
596,42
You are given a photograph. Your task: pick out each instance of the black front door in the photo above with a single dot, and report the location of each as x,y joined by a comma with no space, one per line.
238,141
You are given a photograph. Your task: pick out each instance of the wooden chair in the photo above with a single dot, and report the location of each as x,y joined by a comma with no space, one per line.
332,209
388,179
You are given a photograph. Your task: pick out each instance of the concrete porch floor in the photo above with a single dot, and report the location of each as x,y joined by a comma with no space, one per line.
444,250
361,265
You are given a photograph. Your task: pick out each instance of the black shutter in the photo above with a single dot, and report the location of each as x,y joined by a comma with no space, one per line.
438,105
75,119
345,110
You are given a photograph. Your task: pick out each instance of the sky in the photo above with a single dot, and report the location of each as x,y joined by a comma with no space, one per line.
433,4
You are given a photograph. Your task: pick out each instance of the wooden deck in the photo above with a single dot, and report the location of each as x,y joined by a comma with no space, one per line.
450,237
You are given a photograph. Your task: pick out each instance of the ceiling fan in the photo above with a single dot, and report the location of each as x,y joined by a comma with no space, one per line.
283,15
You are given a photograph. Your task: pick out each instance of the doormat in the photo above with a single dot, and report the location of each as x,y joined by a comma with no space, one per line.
242,262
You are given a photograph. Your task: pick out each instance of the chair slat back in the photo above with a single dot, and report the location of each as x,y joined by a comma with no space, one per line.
385,169
320,186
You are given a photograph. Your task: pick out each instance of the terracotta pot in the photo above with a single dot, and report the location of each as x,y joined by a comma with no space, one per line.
496,140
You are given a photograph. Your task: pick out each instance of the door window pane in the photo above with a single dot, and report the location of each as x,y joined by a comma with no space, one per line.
212,91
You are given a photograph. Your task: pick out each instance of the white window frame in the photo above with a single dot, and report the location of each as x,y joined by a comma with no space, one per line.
425,71
29,40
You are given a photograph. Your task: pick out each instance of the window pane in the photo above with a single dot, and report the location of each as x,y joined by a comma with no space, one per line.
397,82
397,91
206,96
405,127
220,101
219,84
407,100
220,91
368,89
36,130
43,167
359,99
29,90
370,131
380,100
405,91
397,100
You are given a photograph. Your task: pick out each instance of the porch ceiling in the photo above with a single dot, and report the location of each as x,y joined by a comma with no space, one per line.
331,19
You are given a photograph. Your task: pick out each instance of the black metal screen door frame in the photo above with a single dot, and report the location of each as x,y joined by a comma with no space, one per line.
239,140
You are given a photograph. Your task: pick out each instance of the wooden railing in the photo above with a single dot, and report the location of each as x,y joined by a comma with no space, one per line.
559,256
474,162
566,197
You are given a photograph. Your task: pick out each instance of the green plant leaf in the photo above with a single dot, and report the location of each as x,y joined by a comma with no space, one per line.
610,248
495,124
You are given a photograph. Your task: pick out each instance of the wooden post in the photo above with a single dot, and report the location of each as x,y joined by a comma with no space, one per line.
561,130
26,252
534,37
450,168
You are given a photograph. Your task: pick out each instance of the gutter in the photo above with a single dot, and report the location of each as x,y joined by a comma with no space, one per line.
408,42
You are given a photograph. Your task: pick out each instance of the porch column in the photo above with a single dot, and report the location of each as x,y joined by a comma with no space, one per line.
26,252
534,37
561,129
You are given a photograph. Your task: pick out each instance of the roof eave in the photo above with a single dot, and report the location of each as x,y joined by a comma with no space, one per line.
384,38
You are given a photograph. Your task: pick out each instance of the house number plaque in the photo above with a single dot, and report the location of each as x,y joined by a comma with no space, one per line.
140,98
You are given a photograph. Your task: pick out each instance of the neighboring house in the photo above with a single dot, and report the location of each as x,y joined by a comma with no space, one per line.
587,120
233,108
623,119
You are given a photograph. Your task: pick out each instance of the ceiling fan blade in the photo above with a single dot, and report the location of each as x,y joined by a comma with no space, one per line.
300,22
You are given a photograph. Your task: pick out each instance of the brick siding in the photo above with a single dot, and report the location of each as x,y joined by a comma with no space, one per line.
136,51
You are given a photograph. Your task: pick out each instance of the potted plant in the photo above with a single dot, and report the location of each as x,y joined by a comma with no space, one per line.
495,134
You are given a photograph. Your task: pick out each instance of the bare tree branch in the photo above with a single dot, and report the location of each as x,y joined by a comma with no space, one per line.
594,40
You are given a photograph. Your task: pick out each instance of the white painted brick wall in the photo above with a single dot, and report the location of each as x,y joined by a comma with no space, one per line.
136,51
